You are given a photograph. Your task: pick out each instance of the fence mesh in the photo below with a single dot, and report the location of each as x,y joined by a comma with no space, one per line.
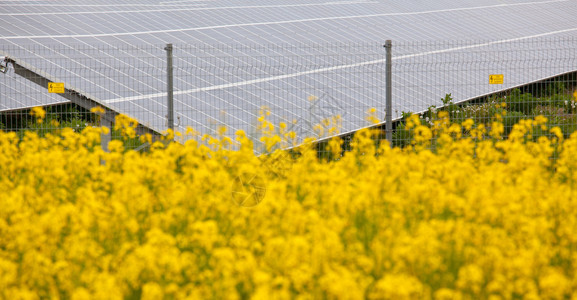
319,90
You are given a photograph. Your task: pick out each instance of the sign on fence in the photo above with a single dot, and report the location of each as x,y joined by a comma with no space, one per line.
496,79
56,87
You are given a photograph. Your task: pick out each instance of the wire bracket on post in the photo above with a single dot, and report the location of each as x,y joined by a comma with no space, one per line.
4,65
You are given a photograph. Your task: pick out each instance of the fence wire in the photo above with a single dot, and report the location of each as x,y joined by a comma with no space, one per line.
319,90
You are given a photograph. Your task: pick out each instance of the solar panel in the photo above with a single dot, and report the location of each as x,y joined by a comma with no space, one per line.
304,60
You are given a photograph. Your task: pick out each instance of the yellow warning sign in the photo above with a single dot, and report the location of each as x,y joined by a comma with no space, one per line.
496,79
56,87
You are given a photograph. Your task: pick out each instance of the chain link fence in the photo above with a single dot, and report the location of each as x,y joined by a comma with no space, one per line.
296,91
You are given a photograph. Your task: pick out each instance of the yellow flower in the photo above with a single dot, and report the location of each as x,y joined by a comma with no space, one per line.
372,116
467,124
98,110
39,113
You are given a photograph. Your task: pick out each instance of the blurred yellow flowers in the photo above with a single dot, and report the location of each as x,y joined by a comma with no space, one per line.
480,217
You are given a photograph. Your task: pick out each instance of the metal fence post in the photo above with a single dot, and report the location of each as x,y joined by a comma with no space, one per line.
389,94
170,89
105,138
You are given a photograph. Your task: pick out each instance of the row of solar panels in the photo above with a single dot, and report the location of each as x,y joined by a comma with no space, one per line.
305,61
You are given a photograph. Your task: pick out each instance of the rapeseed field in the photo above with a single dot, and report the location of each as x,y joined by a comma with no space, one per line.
460,213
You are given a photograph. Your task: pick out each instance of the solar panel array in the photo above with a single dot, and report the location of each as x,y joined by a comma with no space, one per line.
305,60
